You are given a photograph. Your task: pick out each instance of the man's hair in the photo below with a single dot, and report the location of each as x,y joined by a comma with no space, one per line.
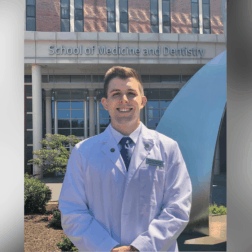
122,73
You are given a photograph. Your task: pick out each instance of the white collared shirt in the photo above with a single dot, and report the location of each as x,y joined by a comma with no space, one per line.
134,136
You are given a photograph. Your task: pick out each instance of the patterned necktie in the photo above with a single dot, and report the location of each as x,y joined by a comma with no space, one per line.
125,150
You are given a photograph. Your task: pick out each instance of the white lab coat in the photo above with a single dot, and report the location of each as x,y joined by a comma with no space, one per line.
102,205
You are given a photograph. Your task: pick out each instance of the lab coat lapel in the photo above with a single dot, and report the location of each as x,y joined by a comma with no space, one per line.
109,143
143,147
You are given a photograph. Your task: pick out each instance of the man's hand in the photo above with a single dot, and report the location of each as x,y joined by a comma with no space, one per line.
124,248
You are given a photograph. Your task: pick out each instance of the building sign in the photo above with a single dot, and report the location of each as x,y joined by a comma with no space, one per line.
118,50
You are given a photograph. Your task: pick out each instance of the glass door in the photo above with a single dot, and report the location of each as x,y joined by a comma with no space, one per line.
70,118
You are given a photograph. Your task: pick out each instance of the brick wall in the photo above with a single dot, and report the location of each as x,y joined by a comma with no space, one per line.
48,15
181,16
216,17
139,16
95,16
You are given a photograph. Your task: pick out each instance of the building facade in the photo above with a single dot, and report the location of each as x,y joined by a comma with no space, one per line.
70,44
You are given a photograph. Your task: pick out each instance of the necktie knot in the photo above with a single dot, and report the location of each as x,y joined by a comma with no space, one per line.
126,141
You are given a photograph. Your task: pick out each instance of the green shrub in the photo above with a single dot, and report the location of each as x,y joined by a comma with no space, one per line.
54,155
36,195
222,210
66,245
215,210
56,220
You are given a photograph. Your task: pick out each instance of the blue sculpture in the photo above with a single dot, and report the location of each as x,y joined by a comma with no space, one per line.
193,119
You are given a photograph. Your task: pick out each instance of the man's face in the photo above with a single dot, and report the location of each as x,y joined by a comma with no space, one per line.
124,102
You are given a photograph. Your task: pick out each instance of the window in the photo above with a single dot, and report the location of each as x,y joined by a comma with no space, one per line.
206,17
123,5
65,15
170,78
73,78
166,16
29,155
28,121
157,102
195,16
156,109
30,15
77,78
98,78
111,25
154,16
28,79
44,79
186,78
70,112
61,78
155,78
104,118
28,90
78,16
28,105
29,137
70,118
161,78
87,78
145,78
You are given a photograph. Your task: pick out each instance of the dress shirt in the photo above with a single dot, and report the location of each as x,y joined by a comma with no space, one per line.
134,136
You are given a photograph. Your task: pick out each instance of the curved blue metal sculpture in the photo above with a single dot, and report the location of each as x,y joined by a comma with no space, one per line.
193,119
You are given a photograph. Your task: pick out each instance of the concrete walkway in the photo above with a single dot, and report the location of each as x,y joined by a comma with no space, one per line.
55,184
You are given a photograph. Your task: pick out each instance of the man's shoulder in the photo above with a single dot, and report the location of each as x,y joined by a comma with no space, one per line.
160,138
91,142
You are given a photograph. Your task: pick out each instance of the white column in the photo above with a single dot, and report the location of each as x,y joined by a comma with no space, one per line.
117,13
25,20
48,112
200,17
37,114
91,113
217,159
71,15
160,16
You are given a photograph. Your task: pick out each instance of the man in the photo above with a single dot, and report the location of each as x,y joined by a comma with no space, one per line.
126,189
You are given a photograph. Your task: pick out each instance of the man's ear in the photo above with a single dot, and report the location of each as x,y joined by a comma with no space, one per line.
144,101
104,103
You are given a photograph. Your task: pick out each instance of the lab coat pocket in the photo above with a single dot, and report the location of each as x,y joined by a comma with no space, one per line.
147,177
